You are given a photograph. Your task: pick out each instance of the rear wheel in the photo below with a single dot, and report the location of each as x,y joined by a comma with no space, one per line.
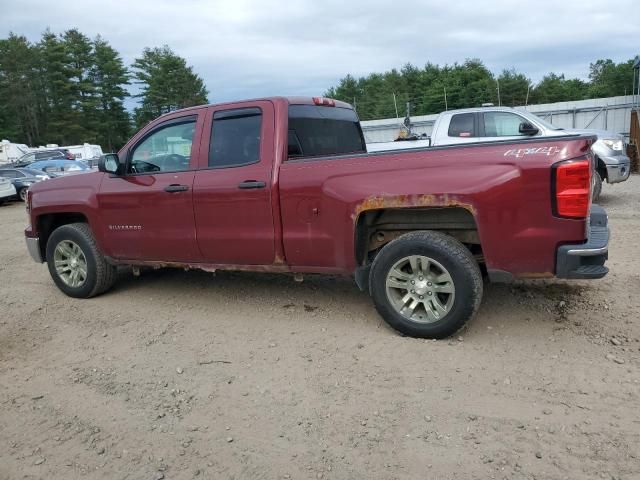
426,284
76,265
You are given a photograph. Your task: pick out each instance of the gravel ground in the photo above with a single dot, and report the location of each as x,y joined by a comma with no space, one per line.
182,375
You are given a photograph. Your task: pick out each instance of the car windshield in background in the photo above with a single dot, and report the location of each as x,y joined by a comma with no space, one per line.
60,166
319,131
27,158
546,124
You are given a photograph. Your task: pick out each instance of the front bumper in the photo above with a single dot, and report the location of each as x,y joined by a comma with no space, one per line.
33,245
618,168
586,260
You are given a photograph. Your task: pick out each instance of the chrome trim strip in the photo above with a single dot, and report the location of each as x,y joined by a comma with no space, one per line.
588,252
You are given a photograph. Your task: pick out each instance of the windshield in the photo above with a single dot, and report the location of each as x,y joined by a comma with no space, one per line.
27,157
544,123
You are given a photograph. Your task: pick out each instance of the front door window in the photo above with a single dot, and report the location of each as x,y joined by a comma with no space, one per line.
167,149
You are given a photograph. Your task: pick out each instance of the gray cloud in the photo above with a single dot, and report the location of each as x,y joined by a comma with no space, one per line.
246,48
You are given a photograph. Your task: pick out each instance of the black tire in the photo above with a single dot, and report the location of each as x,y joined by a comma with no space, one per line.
100,275
450,254
597,187
22,194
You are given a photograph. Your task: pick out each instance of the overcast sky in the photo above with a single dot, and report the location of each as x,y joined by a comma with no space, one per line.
250,48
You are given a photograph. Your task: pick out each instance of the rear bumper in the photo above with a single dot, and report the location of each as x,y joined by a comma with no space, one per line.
586,260
33,246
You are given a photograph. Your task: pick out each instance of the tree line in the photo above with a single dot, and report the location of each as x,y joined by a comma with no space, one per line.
434,88
69,89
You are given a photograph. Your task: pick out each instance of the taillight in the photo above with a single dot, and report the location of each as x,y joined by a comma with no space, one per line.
571,183
327,102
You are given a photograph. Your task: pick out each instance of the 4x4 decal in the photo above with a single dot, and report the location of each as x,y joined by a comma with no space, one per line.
521,152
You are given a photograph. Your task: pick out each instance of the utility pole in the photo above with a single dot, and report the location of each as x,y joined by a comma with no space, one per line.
446,106
526,102
635,89
498,82
395,104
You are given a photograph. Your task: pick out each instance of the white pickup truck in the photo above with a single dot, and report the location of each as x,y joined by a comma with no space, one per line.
488,124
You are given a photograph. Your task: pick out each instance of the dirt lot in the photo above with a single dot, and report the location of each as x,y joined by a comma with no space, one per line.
183,375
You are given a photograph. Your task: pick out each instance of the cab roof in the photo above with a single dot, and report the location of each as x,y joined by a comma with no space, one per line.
291,100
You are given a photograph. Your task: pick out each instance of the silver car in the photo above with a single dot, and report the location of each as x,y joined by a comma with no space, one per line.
7,190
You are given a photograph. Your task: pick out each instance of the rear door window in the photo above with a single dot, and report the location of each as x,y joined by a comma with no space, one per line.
235,137
320,131
463,125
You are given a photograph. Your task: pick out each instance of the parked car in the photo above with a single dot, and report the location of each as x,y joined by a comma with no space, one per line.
416,228
22,179
486,124
7,190
60,167
41,155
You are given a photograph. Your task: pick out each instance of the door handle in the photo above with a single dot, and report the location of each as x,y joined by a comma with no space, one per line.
176,188
247,184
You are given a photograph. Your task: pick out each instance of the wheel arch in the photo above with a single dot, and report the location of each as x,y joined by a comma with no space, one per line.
48,222
375,228
601,168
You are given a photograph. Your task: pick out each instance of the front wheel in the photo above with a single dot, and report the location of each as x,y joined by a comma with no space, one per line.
426,284
76,265
23,194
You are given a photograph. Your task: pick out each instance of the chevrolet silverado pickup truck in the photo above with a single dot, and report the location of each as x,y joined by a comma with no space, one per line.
286,185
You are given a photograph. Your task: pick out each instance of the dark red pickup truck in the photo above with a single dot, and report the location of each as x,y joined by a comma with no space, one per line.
286,185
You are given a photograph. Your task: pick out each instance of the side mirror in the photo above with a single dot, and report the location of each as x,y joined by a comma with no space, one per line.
109,163
527,129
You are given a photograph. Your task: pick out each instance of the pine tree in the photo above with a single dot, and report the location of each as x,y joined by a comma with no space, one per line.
167,84
59,91
83,102
109,77
19,91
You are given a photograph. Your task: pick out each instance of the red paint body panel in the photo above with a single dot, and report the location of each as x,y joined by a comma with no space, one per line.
166,220
67,195
509,197
236,226
305,218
